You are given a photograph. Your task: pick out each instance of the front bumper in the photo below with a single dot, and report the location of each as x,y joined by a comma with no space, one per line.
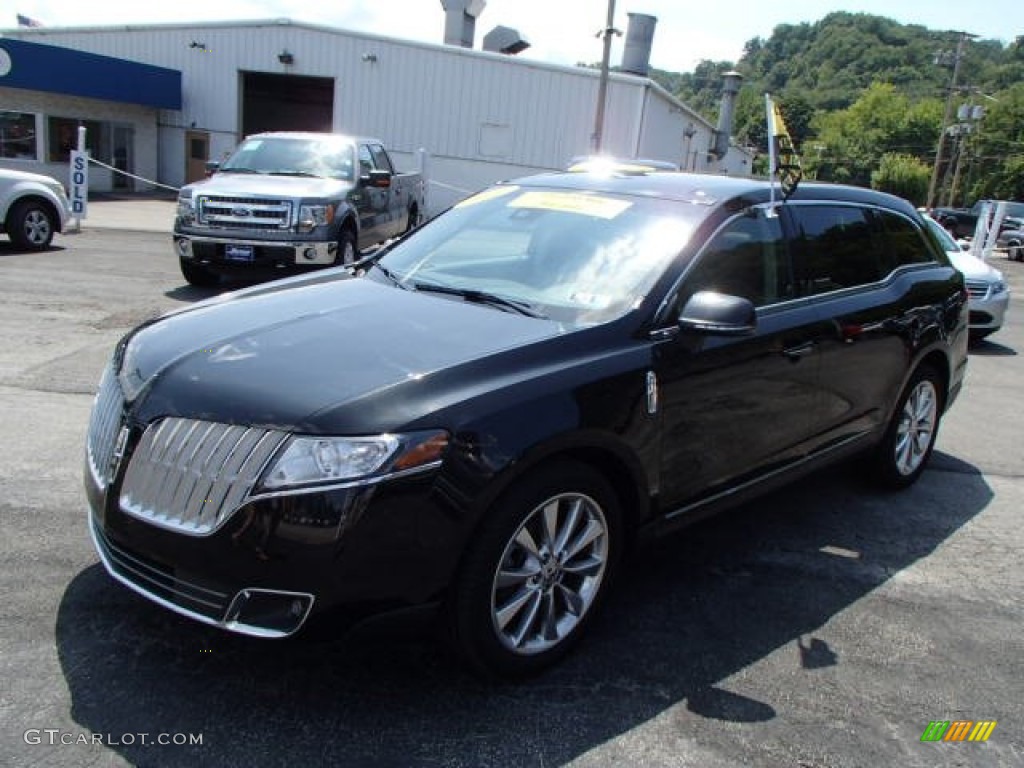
988,313
226,254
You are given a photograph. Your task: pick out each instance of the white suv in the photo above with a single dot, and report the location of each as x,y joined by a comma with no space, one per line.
32,208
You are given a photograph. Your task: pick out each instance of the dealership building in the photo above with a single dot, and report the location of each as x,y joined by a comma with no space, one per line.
158,101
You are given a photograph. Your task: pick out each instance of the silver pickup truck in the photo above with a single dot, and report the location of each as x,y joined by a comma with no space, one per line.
287,202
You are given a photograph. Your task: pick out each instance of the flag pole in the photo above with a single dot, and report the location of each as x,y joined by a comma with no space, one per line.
770,118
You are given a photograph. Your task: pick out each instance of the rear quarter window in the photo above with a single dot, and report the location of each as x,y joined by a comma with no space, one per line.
834,248
905,243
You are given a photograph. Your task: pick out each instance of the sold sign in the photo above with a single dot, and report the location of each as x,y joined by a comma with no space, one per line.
79,191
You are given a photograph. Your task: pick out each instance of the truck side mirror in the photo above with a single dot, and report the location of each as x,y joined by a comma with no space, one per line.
380,179
212,166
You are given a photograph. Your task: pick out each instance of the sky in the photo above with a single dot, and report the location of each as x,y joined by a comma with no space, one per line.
559,31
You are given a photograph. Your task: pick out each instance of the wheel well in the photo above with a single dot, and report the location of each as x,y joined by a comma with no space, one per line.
628,488
349,224
36,199
938,361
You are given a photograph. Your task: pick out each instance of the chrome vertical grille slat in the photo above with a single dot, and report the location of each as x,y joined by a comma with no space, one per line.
190,475
104,424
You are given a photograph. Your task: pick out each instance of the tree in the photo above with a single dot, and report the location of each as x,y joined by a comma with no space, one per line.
902,175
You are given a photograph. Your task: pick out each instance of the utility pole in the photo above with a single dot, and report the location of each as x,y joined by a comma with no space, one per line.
602,88
958,56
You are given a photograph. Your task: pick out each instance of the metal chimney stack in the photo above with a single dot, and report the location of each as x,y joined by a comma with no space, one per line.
460,21
731,82
636,55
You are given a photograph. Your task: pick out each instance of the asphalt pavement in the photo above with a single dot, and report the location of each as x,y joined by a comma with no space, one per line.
824,626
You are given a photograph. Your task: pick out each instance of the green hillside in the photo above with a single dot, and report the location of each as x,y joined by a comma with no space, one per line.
864,97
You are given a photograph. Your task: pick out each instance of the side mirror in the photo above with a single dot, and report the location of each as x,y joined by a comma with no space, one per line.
718,313
380,179
212,166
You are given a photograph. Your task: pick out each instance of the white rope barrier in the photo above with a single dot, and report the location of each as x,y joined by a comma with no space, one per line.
449,186
133,176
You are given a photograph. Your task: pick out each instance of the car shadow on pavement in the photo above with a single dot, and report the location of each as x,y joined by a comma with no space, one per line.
8,248
689,612
988,348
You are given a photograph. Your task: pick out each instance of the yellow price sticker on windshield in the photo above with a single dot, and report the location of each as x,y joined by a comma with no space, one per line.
487,194
572,202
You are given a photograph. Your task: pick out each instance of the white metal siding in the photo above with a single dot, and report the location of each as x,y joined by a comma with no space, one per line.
463,105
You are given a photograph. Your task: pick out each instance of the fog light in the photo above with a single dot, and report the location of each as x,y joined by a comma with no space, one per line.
310,254
184,247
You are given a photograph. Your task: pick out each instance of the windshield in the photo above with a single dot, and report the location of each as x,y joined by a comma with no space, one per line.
945,239
326,158
575,257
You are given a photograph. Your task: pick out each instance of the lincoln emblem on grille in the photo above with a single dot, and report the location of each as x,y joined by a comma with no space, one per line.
241,212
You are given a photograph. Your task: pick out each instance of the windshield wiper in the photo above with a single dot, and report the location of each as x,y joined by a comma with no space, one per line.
481,297
305,174
390,275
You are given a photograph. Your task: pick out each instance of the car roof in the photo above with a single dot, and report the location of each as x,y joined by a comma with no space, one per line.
314,135
709,189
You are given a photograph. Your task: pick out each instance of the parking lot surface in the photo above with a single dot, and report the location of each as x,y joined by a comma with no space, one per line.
825,625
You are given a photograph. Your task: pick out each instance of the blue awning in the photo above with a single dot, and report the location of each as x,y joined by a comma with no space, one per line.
38,67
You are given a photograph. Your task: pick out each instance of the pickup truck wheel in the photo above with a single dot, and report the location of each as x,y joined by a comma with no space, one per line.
1015,250
903,453
347,252
31,225
197,275
414,219
537,570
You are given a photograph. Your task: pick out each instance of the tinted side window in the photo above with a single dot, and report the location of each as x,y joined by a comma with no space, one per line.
746,258
834,249
365,161
380,158
904,241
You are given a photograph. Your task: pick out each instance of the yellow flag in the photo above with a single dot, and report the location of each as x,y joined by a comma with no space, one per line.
787,161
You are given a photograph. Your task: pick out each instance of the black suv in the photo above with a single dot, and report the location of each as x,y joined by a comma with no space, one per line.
488,415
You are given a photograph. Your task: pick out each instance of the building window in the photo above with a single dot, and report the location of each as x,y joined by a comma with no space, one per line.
18,135
63,135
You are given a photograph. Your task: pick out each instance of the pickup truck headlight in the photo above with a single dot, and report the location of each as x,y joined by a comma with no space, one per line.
310,460
311,216
186,210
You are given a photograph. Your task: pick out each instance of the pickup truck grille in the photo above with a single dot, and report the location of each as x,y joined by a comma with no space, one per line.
977,289
104,425
189,475
243,213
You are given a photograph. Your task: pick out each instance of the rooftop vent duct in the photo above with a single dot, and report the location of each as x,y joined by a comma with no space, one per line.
730,87
505,40
636,56
460,21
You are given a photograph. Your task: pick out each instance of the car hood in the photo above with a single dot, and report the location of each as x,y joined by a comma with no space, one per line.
6,173
974,268
264,186
277,356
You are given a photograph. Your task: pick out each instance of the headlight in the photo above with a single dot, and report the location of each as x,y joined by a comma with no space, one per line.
998,287
311,216
185,207
307,460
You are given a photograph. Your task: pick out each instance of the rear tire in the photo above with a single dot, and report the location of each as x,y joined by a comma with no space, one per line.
197,275
902,455
537,571
31,225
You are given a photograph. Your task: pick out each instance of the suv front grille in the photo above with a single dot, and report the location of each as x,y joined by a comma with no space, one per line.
104,425
977,289
189,475
243,213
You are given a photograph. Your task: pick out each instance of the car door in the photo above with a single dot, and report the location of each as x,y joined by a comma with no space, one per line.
734,406
372,202
395,220
843,263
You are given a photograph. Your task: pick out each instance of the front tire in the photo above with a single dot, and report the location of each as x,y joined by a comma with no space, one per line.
537,571
347,251
31,225
904,451
197,275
